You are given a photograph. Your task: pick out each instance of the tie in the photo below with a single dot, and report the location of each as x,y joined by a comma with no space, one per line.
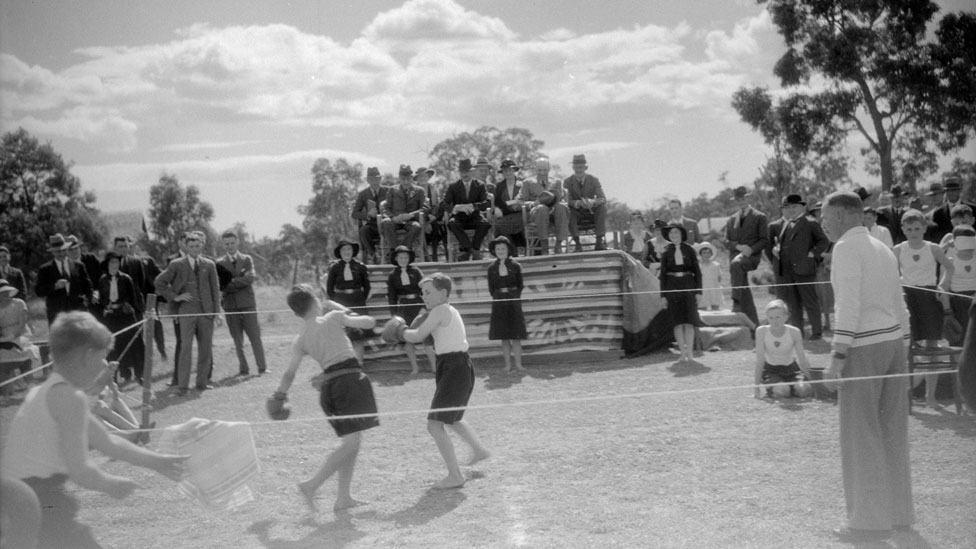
67,269
195,266
113,290
347,272
234,263
376,201
404,277
467,190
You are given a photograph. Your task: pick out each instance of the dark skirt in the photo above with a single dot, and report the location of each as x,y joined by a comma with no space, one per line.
682,304
129,347
507,319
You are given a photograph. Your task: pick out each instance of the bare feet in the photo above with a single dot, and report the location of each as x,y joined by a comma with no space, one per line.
308,494
347,503
520,368
449,482
934,404
507,369
479,455
414,372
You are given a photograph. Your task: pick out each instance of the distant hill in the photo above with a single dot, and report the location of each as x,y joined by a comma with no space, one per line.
123,223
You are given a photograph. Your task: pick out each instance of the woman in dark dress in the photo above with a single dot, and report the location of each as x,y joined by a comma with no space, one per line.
681,282
347,283
505,286
121,305
403,293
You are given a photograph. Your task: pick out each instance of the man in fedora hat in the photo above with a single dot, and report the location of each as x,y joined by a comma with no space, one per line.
465,199
63,282
890,216
746,235
800,244
586,201
402,209
12,274
546,207
93,266
941,216
485,172
366,211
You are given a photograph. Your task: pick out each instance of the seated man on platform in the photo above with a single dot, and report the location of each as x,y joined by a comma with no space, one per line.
401,210
586,201
546,208
508,207
434,226
465,199
366,210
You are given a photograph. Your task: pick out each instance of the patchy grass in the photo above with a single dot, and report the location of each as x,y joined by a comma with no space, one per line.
577,463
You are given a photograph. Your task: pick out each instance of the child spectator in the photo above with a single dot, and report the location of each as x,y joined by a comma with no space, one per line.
49,438
454,377
919,261
403,293
961,214
347,283
963,282
505,286
878,231
681,281
779,355
344,388
711,296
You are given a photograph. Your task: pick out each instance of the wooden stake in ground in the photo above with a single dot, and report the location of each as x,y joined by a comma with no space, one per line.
147,336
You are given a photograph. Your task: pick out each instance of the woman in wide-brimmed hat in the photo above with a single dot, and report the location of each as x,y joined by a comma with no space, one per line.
681,283
15,332
403,293
347,283
505,286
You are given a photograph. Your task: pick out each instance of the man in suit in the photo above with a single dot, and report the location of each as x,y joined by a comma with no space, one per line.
585,198
465,199
63,282
366,210
435,228
93,267
677,214
890,216
507,209
801,243
546,208
131,265
401,210
746,235
191,284
775,237
940,217
12,274
240,307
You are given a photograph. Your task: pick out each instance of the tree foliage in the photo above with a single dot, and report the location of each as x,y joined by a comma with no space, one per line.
880,75
174,210
39,196
327,214
489,142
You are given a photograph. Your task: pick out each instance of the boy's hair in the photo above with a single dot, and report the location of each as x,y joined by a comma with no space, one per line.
960,210
777,304
913,216
439,281
76,330
300,299
229,234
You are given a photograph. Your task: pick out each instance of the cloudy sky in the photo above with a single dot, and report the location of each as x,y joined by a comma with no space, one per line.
239,97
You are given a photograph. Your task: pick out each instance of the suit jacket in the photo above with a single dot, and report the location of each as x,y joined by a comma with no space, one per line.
589,188
531,189
175,279
93,266
365,204
774,229
503,194
750,229
128,292
891,218
79,293
399,201
239,292
477,196
16,279
802,236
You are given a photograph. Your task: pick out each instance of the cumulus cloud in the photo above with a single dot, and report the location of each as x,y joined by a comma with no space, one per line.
430,64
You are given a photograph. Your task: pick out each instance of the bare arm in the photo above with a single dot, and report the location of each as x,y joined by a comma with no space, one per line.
801,355
297,354
760,358
435,318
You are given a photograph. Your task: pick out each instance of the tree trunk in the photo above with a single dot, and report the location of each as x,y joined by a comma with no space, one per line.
294,272
887,170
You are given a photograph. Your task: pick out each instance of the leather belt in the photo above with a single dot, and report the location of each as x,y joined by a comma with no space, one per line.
353,291
680,273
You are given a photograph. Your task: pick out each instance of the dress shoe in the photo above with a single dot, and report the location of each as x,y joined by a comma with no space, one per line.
244,373
182,391
463,256
854,535
578,247
816,337
600,245
264,371
558,249
204,387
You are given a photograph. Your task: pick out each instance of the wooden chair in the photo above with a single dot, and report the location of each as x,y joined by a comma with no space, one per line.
935,360
375,242
419,245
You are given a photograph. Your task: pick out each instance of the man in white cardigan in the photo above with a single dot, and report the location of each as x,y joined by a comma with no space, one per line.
871,335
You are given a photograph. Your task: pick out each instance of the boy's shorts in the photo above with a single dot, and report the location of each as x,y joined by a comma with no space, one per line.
781,374
455,381
346,395
925,313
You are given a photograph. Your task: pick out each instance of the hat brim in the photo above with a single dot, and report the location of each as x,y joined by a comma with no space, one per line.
52,248
512,250
338,249
430,173
393,256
